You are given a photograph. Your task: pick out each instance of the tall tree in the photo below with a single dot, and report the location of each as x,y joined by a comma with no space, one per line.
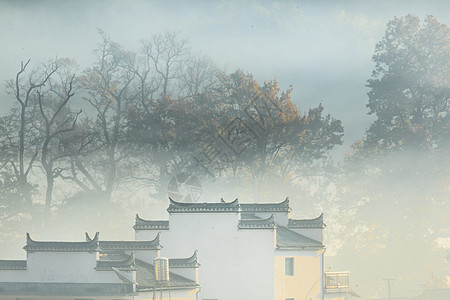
56,121
268,136
401,165
108,89
409,89
26,143
164,115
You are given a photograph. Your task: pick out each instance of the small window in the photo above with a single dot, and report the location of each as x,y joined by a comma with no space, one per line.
289,266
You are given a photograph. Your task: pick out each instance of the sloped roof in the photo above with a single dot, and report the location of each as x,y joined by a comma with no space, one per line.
145,276
189,262
266,207
249,216
127,264
220,207
268,223
64,289
88,246
13,264
154,244
307,223
141,224
288,239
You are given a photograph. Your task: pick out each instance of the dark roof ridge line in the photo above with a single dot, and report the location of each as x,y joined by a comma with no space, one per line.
13,264
156,240
268,223
128,263
173,202
58,246
320,217
137,218
307,223
191,261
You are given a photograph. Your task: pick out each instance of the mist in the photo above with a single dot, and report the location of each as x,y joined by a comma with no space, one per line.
387,214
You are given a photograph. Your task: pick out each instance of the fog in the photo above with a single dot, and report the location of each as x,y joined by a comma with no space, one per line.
390,226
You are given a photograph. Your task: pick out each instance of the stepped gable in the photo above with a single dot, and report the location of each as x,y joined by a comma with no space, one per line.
268,223
127,264
288,239
154,244
265,207
141,224
145,277
217,207
13,264
189,262
88,246
307,223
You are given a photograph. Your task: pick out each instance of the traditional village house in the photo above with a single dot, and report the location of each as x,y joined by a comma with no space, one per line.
246,251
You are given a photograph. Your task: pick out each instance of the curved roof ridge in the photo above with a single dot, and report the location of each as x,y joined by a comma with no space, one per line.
235,201
89,239
191,261
268,223
282,206
142,224
204,207
171,201
307,223
90,245
154,244
126,264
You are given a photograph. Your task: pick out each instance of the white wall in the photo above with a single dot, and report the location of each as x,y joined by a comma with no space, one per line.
231,260
75,267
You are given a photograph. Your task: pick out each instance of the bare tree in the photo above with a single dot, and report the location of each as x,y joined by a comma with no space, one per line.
26,142
108,90
56,121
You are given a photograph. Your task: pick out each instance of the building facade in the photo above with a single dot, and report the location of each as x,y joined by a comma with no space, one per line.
222,251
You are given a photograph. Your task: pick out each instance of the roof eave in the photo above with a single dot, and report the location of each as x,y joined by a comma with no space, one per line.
300,247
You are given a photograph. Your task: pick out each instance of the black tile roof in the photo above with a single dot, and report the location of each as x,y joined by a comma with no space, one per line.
307,223
249,216
268,223
189,262
88,246
145,276
220,207
142,224
266,207
288,239
13,264
127,264
65,289
106,246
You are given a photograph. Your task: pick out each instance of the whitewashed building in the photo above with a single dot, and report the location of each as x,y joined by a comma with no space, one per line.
222,251
247,251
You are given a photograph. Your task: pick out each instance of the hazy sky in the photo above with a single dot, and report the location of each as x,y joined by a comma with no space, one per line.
322,48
